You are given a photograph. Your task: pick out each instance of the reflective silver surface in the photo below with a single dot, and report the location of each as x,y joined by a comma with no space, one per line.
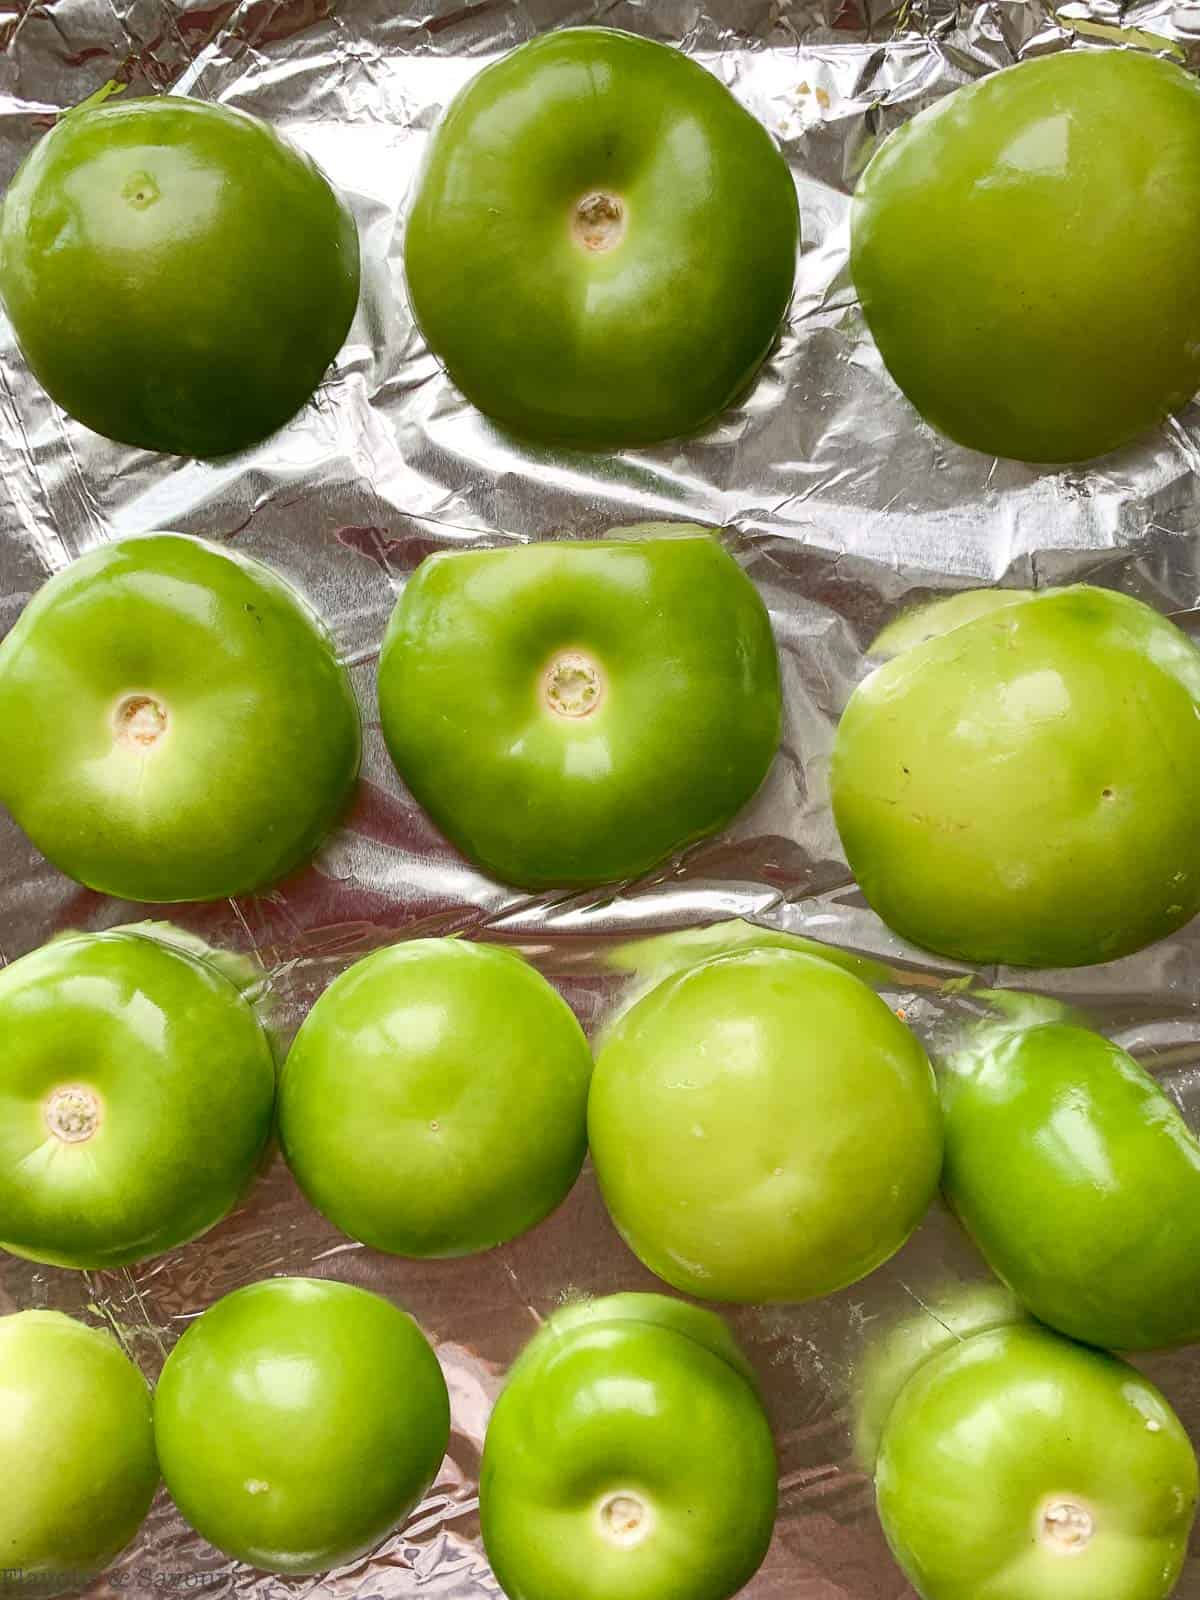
841,504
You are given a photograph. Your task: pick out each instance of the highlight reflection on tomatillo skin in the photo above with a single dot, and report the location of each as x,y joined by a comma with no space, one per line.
1021,1466
628,1458
174,722
571,712
136,1090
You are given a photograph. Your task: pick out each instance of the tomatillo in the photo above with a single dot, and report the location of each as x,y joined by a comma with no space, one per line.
435,1099
299,1421
570,713
602,243
174,722
178,276
1025,253
136,1091
1024,787
1020,1466
764,1128
628,1458
1079,1181
76,1452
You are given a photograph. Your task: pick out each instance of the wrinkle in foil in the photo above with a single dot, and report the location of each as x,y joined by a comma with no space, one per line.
839,502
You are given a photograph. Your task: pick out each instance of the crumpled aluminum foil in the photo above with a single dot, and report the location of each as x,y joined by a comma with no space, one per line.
841,504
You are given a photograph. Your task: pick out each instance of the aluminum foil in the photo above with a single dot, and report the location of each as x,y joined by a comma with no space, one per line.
840,503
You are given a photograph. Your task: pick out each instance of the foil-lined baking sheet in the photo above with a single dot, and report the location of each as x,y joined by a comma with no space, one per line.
841,504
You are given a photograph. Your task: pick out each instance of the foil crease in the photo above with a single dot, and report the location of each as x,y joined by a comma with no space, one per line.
841,504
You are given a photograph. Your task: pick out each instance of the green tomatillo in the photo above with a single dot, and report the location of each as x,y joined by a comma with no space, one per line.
572,712
1023,787
1025,254
1079,1181
76,1452
602,242
764,1128
299,1421
1019,1466
136,1090
178,276
435,1099
174,722
628,1458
